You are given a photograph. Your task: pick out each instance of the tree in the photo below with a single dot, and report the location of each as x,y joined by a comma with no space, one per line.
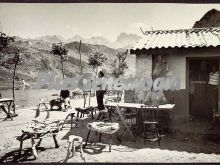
16,59
96,59
119,65
5,41
59,50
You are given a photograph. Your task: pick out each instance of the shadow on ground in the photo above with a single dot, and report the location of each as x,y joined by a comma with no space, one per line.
206,143
14,157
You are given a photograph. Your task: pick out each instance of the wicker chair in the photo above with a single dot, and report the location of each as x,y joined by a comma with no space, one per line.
37,131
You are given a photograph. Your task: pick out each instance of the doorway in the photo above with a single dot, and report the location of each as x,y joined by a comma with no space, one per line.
203,97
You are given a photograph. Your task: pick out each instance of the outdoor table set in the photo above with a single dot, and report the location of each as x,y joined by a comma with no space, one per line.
112,106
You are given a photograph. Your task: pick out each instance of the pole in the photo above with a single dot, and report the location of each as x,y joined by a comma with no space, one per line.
80,57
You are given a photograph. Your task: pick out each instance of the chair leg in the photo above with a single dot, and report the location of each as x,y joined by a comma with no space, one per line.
100,136
45,106
64,122
20,149
73,147
158,138
118,138
110,143
72,115
92,114
55,141
34,147
145,134
69,151
87,138
38,144
81,152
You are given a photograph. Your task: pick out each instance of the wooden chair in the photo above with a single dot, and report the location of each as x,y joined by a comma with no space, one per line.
86,110
131,121
150,121
73,120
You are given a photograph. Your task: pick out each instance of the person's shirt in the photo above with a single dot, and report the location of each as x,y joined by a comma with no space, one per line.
100,91
213,78
155,98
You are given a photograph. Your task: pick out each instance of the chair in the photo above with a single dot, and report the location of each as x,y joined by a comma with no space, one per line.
150,121
74,142
86,110
37,131
103,128
42,102
131,121
73,119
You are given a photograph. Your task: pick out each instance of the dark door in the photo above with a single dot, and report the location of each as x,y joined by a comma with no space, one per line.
199,90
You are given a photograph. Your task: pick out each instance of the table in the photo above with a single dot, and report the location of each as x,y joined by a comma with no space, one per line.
7,101
137,106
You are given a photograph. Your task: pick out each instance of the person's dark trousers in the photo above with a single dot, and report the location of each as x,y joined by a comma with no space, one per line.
99,97
214,103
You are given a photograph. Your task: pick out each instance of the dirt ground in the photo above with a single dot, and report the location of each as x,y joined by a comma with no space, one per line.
172,149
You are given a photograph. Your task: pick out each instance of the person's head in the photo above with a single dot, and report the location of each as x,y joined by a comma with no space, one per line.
101,74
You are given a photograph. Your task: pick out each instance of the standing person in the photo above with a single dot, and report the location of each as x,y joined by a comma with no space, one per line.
100,96
213,88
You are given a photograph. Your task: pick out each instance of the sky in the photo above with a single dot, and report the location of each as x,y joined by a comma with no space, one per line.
96,19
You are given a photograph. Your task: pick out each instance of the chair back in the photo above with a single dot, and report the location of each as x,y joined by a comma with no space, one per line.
130,118
149,113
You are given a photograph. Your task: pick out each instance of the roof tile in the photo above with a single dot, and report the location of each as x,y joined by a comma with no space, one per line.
196,37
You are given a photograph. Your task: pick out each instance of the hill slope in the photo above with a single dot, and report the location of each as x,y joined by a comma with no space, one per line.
36,57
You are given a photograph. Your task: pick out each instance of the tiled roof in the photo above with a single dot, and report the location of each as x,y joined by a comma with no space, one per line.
196,37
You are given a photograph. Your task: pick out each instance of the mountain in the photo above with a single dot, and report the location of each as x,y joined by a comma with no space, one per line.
125,40
210,19
51,38
93,40
36,57
75,38
98,40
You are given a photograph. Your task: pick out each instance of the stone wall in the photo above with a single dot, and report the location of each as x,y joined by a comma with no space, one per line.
143,68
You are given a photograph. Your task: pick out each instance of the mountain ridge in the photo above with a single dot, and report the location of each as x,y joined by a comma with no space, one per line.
123,40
